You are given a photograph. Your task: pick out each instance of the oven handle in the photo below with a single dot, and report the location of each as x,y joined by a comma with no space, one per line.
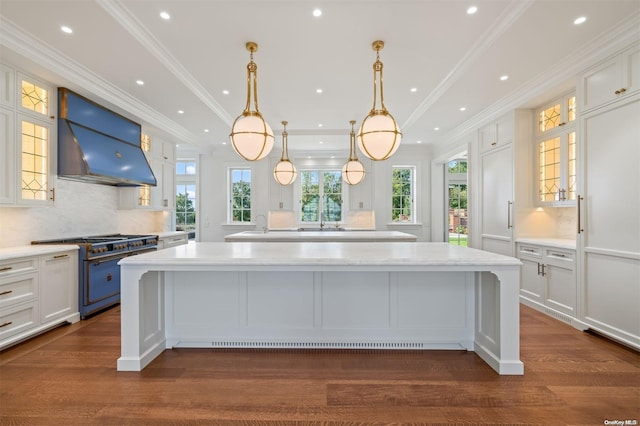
119,256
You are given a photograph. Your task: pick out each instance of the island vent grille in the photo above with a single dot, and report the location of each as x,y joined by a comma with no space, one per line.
323,345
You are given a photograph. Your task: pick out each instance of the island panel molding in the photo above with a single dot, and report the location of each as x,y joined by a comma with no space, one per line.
332,295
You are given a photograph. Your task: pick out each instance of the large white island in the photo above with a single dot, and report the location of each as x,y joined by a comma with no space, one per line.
332,295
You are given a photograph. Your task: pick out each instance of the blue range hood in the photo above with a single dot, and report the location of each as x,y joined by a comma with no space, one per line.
97,145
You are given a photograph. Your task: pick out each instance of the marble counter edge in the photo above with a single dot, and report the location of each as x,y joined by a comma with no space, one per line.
8,253
549,242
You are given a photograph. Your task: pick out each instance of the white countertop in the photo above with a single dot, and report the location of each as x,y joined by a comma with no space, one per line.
391,254
549,242
34,250
320,236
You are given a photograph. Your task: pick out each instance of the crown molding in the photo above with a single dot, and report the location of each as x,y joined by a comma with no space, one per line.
20,41
600,48
502,23
129,22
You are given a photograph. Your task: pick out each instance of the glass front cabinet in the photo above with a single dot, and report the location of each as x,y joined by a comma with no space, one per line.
557,152
27,127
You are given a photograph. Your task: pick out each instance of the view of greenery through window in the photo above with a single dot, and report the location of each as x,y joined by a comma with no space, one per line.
321,192
185,196
458,218
402,194
241,195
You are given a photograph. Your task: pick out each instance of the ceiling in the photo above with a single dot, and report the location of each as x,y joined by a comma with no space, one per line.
451,58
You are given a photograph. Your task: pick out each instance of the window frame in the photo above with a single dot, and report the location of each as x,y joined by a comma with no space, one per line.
343,195
413,195
187,180
230,209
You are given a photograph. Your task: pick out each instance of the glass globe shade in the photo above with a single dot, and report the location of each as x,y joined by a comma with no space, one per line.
285,172
379,136
251,137
353,172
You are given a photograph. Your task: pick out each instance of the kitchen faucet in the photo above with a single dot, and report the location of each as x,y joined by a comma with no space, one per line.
321,220
265,228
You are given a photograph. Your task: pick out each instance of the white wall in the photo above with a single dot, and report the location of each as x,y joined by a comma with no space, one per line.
81,209
374,193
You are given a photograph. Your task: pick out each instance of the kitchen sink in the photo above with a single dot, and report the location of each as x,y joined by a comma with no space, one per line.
327,229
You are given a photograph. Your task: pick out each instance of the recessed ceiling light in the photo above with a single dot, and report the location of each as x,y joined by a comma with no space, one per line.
165,16
504,77
206,130
225,92
317,13
418,141
472,10
321,142
414,89
318,90
140,82
463,108
436,128
580,20
66,29
320,125
333,156
180,111
224,143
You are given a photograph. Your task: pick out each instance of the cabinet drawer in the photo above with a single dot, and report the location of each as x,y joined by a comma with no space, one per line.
527,250
18,266
174,241
17,320
563,258
18,289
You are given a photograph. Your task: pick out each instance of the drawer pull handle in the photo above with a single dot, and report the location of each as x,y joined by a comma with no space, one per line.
529,250
6,292
494,143
6,324
6,268
60,256
558,254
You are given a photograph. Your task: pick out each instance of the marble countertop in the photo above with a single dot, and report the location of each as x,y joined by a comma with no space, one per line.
34,250
549,242
320,236
342,254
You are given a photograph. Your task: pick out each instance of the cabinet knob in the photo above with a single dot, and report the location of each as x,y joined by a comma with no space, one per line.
620,91
493,143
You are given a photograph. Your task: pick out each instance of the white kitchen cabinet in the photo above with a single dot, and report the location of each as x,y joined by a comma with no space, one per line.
548,280
556,152
27,126
159,197
58,298
37,292
7,157
172,239
610,80
609,219
495,200
496,134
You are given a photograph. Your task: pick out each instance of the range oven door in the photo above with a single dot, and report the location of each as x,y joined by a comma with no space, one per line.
102,279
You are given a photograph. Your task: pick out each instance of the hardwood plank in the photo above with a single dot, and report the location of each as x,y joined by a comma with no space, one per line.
68,376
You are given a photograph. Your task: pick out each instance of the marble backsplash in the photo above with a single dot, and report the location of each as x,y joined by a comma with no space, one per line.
80,209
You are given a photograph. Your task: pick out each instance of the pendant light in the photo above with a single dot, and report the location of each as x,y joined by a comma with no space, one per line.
353,169
285,172
251,136
379,136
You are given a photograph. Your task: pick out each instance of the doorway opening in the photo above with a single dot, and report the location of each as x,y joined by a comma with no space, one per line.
457,211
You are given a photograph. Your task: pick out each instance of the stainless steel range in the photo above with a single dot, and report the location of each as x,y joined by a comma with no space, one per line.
98,269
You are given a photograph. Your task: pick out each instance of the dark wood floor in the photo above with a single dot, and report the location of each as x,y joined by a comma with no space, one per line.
68,377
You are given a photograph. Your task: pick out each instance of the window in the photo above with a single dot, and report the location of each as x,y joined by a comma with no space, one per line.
185,195
35,135
240,190
321,196
457,208
557,154
403,190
